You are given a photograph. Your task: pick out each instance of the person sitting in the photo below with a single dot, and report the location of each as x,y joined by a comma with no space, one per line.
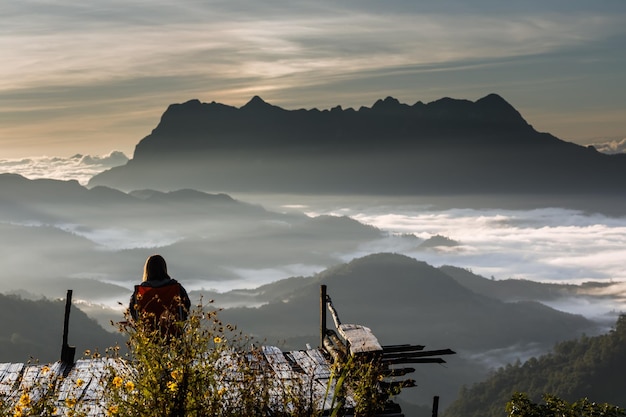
159,302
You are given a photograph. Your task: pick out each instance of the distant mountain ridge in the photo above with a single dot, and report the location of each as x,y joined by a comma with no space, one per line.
443,147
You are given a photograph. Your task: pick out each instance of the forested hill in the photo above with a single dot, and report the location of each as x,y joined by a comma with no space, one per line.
589,367
33,330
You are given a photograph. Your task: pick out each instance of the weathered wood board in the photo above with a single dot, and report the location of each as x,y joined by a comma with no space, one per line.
360,338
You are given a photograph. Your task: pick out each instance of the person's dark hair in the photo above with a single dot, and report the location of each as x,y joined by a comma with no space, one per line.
155,269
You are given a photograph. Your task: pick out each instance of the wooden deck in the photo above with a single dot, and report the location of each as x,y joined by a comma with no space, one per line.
83,382
58,382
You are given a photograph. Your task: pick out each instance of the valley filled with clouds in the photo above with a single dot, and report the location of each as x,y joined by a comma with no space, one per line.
98,239
76,167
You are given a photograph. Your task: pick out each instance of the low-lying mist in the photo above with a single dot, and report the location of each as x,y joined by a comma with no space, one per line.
76,167
220,245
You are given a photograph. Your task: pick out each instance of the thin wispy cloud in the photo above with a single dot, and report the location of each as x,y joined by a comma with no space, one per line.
279,45
80,74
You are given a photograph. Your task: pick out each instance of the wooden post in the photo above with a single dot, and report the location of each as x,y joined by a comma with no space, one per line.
67,351
322,315
435,406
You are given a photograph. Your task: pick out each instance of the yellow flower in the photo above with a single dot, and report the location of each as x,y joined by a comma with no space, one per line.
80,382
24,400
221,391
70,402
45,369
18,411
118,381
217,339
130,385
172,386
112,410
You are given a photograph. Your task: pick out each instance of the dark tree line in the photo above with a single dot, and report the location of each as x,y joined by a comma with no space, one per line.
586,368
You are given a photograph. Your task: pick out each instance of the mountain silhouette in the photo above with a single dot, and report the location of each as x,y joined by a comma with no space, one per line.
444,147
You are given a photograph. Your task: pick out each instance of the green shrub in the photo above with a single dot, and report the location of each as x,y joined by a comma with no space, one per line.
521,406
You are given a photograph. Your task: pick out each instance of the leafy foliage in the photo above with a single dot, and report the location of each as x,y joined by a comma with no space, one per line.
588,367
212,369
208,369
521,406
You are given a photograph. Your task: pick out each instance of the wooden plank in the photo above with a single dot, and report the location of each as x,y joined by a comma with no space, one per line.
321,361
296,373
83,383
12,373
412,360
77,380
322,374
35,381
5,386
3,369
313,380
278,362
401,348
419,354
359,338
312,365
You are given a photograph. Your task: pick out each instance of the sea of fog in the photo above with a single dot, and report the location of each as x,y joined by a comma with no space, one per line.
546,245
76,167
550,244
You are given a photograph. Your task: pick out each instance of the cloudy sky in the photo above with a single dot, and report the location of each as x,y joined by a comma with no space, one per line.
95,76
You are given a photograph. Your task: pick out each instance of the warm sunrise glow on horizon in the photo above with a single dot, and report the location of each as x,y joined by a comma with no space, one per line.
93,78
